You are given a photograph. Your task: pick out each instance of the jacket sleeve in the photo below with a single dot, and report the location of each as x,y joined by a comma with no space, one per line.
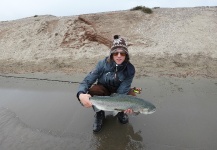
125,85
91,78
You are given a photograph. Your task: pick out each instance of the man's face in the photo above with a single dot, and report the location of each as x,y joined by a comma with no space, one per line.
119,56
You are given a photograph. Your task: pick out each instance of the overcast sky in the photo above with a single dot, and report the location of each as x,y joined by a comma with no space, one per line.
17,9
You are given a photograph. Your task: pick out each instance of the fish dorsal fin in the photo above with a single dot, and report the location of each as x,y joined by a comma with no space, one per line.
114,94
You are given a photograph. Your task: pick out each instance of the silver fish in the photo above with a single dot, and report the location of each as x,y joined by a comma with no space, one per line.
120,102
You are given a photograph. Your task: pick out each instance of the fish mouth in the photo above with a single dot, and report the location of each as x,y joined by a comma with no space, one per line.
148,111
152,111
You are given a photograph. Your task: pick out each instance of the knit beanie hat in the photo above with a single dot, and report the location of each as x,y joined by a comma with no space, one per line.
119,42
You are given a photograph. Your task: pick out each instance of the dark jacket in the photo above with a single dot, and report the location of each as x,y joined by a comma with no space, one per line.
112,76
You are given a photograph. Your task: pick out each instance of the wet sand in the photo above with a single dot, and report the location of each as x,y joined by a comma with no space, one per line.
40,114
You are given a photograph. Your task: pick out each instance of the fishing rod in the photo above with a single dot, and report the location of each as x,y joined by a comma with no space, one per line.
41,79
135,89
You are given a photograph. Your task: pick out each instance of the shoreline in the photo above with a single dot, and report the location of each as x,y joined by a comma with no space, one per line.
169,42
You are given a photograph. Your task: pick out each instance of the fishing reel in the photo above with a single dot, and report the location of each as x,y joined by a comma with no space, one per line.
137,90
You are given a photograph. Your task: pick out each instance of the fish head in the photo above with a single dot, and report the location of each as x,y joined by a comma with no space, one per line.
147,110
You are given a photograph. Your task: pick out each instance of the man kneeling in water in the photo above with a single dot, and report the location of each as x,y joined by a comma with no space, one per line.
114,74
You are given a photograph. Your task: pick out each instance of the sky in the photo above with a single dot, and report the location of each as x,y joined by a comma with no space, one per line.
17,9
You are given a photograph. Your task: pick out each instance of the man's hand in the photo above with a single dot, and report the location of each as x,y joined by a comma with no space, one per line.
128,111
85,100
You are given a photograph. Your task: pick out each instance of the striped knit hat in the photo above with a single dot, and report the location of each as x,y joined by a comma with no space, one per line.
119,42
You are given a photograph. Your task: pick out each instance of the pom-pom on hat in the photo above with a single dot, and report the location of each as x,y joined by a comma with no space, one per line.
119,42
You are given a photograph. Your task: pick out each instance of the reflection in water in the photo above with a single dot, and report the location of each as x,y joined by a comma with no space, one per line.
16,135
117,136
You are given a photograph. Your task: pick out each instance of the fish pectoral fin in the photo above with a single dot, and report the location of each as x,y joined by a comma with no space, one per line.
95,108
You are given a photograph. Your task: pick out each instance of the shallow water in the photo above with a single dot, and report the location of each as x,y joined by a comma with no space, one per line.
46,115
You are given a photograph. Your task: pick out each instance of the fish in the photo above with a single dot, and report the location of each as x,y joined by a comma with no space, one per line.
121,102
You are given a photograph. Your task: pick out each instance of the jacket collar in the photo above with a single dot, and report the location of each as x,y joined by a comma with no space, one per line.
118,67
